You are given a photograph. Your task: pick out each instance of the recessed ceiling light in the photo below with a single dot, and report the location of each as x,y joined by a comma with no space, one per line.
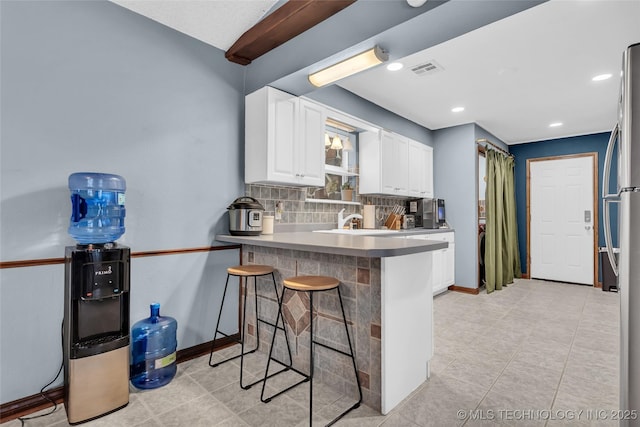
457,109
601,77
555,125
395,66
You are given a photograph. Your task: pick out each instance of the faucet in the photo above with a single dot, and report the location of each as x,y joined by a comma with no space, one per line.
342,220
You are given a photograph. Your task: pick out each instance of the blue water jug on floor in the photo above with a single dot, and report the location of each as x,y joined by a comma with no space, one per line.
153,350
97,207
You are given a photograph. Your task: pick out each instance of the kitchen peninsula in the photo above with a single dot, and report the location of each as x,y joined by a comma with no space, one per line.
387,291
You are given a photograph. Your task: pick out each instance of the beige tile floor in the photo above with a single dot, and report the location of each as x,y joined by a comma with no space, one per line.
536,353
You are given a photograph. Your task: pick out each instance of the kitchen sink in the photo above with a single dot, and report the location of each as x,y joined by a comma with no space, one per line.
358,232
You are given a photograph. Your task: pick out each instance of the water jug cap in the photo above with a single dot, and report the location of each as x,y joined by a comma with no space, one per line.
96,181
155,309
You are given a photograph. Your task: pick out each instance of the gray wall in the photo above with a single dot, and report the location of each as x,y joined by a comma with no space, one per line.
92,86
455,171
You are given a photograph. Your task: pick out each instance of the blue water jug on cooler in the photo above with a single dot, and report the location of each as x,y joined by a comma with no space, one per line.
153,350
97,207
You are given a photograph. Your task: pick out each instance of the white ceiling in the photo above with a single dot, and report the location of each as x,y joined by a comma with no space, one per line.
514,77
216,22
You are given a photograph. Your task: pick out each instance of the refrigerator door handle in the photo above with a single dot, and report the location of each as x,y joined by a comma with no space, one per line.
607,235
608,158
608,198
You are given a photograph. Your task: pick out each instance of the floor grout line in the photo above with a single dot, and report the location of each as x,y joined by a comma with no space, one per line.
566,361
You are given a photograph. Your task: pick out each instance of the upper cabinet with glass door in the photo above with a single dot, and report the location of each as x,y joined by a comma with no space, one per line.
284,139
341,156
340,163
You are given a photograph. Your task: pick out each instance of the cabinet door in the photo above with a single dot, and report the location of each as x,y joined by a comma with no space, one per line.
450,265
438,268
311,121
420,170
416,169
282,128
394,164
426,189
401,160
388,170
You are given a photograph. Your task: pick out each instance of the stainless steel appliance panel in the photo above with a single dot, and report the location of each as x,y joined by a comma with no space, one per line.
627,195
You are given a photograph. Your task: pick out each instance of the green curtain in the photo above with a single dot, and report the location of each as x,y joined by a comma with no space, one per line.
501,257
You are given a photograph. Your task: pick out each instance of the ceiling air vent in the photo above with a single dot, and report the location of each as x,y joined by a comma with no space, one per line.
428,67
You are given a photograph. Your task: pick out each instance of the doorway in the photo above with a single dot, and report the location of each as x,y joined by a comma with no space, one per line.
482,219
562,218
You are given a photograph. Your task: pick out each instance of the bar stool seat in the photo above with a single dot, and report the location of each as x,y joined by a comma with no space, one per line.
312,284
246,271
250,270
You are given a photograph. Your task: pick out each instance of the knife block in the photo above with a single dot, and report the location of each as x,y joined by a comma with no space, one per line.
393,222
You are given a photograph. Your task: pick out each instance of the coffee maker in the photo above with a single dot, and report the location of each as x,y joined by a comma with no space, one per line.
96,330
429,213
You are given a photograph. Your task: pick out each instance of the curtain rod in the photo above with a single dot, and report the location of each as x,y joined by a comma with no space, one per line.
479,141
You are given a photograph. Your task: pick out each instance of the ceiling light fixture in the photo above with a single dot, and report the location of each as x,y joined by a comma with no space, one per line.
601,77
349,66
395,66
457,109
555,124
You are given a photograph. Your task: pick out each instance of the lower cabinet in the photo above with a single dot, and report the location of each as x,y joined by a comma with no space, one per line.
444,260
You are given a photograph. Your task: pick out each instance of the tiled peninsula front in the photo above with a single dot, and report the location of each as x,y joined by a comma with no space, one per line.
386,289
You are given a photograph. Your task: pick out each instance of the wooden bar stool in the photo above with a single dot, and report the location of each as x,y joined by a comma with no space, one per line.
313,284
246,271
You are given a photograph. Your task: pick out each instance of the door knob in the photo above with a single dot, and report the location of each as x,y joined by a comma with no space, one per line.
587,227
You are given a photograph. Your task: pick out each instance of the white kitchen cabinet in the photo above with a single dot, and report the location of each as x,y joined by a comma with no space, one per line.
444,260
420,170
284,139
394,165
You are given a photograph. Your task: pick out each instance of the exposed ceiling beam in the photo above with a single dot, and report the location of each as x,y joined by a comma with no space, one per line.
289,20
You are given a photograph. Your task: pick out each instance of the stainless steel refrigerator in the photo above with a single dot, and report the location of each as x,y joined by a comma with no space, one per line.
627,196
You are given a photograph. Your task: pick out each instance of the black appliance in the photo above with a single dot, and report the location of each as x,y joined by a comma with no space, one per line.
429,213
96,330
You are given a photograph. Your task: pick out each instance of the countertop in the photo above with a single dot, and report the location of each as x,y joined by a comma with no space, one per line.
342,244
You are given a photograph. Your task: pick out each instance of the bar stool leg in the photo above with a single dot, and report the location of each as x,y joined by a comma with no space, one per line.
311,342
242,332
244,326
270,357
275,326
242,339
353,361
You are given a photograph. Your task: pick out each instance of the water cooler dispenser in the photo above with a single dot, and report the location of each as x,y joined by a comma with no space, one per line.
96,300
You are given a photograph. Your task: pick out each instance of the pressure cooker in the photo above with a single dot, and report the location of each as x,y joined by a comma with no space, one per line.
245,217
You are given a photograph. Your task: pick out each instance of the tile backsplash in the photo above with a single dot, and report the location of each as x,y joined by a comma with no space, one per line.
298,210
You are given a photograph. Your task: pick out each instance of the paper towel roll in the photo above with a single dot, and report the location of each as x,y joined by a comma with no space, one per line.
369,216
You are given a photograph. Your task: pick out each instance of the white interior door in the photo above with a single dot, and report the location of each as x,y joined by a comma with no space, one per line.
562,219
